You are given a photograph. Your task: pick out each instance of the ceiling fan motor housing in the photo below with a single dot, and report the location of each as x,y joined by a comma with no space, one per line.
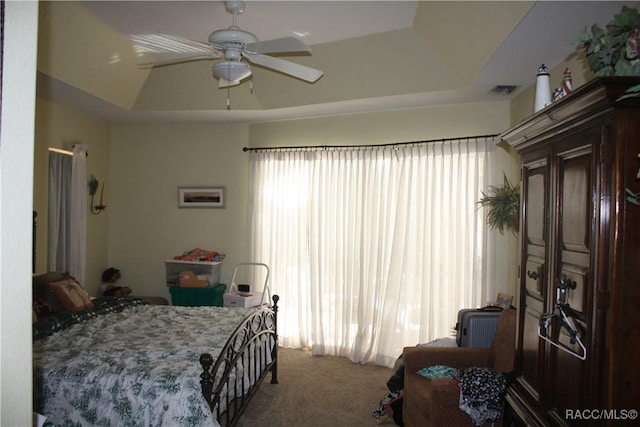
231,38
231,42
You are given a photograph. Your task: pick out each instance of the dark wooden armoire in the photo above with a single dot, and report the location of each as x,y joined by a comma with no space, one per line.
578,336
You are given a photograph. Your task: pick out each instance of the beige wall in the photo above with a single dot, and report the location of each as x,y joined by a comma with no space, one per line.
383,127
60,127
16,195
149,163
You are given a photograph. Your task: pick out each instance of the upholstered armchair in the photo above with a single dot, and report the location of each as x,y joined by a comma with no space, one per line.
436,402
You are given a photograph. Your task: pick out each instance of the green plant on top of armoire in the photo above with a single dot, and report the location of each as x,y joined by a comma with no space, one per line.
615,49
503,206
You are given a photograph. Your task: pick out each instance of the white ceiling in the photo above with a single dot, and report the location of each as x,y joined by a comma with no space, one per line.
376,55
325,21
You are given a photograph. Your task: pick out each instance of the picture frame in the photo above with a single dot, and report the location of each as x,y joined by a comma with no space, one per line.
202,197
504,300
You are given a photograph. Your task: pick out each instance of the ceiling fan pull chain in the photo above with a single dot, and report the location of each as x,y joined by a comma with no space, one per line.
229,89
251,87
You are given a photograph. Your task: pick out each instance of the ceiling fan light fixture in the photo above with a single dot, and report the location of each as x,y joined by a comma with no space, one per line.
231,70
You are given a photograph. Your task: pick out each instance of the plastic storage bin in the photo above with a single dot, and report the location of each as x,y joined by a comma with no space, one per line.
233,300
195,297
208,272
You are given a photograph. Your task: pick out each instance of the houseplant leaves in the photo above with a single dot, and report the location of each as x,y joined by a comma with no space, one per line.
503,204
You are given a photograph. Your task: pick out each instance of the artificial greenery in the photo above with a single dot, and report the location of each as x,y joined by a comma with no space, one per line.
93,185
503,204
614,50
632,197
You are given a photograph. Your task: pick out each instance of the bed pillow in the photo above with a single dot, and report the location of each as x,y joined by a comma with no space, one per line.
44,302
70,294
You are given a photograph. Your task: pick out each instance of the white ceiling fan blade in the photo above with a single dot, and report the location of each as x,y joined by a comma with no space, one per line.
166,49
287,67
282,45
175,58
163,43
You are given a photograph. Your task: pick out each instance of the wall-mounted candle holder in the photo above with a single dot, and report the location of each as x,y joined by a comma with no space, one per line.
94,184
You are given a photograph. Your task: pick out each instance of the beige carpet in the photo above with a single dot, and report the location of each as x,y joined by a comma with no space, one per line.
318,391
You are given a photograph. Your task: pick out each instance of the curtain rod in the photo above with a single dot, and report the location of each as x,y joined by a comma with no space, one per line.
66,152
390,144
61,151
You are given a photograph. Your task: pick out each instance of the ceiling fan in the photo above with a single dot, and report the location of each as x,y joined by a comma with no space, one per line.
232,44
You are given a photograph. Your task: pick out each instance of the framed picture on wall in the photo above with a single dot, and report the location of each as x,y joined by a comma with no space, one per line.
202,197
504,300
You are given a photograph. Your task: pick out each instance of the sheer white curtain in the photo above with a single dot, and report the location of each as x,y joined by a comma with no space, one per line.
371,249
78,231
59,217
67,219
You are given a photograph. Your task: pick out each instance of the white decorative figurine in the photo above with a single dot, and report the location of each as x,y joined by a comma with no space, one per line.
566,82
543,92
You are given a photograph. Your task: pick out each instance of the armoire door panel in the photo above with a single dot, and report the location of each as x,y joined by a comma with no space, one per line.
569,378
576,201
535,215
567,369
535,276
530,376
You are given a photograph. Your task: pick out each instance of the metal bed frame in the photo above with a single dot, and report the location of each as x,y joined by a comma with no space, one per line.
252,351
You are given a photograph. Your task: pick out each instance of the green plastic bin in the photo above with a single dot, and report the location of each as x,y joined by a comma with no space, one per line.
195,297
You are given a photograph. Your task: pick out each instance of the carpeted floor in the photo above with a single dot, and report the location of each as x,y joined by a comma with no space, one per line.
318,391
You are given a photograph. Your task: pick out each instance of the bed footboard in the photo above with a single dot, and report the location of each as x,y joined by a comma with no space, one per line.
250,352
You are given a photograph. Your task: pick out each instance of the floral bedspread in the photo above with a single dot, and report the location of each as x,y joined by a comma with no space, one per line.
48,325
136,367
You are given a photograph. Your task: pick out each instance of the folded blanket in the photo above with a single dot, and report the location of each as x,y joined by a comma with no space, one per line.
202,255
